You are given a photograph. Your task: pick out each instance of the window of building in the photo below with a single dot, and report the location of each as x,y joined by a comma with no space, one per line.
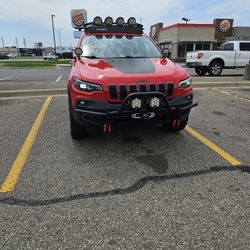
183,48
202,46
245,46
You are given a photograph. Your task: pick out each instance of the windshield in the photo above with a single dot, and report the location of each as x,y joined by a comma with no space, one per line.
119,47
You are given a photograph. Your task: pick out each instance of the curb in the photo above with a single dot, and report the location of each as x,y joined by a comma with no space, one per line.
221,84
36,92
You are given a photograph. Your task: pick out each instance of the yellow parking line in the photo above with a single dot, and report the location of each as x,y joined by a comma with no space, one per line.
232,95
11,179
213,146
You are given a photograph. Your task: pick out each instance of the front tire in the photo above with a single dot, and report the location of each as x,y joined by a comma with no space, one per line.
77,132
215,68
168,126
201,71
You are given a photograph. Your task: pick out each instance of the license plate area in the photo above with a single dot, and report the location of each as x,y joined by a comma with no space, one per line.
143,116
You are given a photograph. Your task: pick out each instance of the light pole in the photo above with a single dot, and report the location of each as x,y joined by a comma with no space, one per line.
17,48
53,29
60,41
3,42
185,19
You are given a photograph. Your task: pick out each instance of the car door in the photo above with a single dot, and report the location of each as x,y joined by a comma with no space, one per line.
243,55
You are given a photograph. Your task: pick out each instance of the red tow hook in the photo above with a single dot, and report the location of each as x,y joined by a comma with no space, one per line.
176,123
107,128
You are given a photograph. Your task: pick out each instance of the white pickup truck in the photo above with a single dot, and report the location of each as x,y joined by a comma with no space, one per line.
50,56
231,55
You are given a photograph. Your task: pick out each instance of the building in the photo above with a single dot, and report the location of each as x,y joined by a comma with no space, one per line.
183,37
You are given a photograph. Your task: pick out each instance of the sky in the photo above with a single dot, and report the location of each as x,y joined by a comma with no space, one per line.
31,19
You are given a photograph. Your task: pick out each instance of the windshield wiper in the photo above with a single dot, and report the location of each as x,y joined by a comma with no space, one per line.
128,57
91,57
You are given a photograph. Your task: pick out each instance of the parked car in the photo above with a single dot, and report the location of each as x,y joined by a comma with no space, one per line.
231,55
12,55
50,56
119,75
4,56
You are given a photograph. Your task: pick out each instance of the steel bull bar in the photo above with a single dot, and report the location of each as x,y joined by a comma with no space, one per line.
143,113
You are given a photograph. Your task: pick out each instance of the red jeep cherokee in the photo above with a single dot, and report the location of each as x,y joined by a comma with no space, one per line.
119,75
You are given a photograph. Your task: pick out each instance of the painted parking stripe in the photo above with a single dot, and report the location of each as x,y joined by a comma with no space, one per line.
16,168
232,95
214,147
6,78
59,78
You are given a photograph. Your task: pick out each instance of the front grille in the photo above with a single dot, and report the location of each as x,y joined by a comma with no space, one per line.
121,91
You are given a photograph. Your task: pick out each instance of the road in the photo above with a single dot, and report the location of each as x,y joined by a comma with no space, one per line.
48,74
137,188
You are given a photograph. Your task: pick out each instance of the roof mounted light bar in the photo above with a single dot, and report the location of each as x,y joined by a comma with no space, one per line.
109,26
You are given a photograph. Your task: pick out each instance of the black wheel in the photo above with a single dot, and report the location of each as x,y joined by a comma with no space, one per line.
171,128
77,132
201,71
215,68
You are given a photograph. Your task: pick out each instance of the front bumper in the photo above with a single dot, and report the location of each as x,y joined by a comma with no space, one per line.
90,112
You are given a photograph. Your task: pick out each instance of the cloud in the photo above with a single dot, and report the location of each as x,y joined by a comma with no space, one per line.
39,11
169,11
35,15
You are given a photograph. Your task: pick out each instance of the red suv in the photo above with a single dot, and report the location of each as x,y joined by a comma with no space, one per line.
119,75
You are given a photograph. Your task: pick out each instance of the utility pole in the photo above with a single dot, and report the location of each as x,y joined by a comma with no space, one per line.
53,29
59,34
17,47
3,42
24,42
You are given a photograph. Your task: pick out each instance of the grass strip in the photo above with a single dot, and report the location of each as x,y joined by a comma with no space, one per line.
32,64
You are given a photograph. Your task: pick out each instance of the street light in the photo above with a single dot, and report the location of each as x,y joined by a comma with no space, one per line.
60,41
186,19
53,29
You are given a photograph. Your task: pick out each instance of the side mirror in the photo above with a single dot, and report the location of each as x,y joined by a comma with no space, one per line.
78,52
165,52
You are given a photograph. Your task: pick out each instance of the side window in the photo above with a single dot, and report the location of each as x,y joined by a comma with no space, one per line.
230,46
227,46
222,47
244,46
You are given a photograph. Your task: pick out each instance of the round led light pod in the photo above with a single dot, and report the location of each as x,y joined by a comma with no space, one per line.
136,103
97,21
131,21
108,21
120,21
154,102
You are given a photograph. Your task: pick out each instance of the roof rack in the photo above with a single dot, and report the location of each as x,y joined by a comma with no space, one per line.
108,26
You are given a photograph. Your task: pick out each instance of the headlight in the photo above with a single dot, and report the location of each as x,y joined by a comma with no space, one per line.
86,86
186,83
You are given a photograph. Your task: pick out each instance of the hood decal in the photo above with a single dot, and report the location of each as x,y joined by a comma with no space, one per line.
132,65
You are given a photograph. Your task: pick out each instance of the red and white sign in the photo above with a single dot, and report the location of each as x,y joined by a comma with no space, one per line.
153,32
225,26
78,18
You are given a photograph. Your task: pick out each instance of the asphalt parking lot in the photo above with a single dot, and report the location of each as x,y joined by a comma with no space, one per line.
137,188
